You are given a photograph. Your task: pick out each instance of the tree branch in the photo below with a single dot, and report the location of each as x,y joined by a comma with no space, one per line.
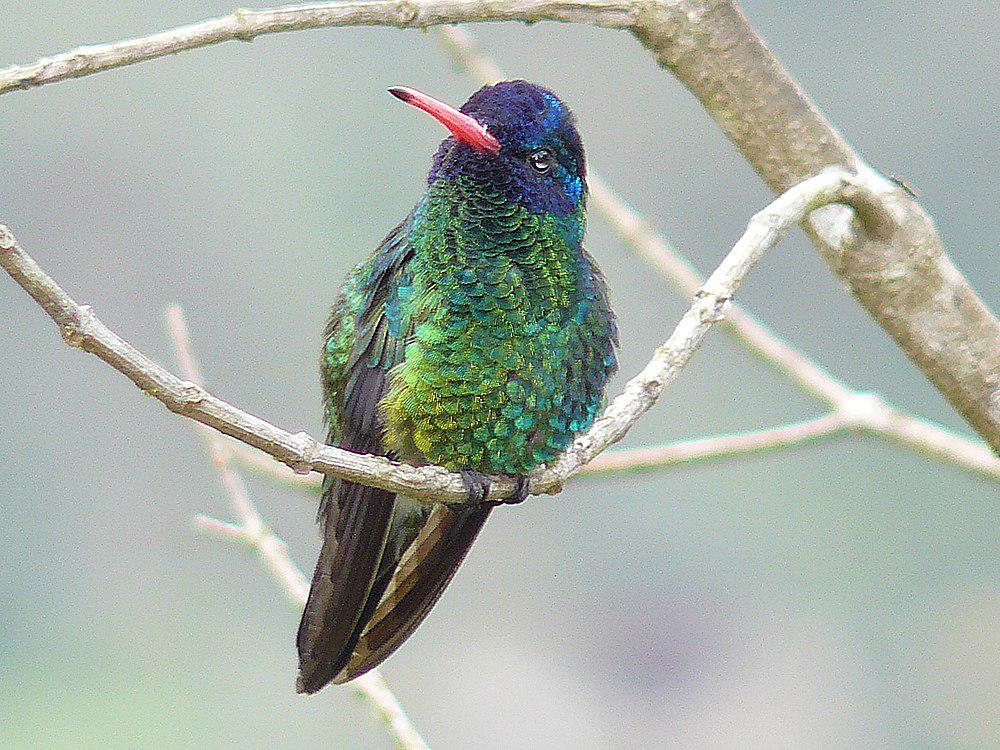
272,551
721,446
81,328
905,280
245,25
252,532
255,535
867,414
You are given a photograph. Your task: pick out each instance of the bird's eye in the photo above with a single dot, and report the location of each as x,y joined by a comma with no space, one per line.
542,161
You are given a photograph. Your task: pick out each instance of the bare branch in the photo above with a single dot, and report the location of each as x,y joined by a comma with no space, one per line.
867,414
645,459
81,328
374,687
766,229
252,532
251,529
245,25
273,553
906,281
883,419
635,459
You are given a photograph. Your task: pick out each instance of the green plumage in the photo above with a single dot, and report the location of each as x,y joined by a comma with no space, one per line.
496,333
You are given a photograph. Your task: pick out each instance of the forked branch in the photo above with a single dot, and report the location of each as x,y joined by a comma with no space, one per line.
251,531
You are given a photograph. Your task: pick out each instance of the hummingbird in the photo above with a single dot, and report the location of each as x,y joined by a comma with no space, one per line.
477,337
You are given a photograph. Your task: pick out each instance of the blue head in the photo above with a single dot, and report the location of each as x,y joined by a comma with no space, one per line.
515,137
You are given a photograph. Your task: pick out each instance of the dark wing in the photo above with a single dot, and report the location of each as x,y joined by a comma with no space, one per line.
351,572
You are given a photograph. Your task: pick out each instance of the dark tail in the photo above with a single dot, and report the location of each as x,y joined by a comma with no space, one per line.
423,573
356,521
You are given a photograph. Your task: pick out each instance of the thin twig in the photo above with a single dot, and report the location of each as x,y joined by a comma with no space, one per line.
81,328
701,449
268,546
252,532
273,553
871,414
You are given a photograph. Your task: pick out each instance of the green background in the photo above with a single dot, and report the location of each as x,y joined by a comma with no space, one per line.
841,594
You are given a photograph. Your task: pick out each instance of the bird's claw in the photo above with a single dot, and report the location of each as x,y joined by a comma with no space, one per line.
477,487
520,491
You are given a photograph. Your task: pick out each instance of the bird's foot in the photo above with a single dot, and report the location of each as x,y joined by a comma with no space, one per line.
477,486
520,491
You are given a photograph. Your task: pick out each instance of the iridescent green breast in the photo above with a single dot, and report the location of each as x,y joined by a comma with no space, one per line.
512,343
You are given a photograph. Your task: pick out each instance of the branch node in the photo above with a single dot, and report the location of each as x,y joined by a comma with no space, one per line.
406,13
256,530
223,529
244,31
305,449
717,305
7,242
651,389
190,393
74,329
866,411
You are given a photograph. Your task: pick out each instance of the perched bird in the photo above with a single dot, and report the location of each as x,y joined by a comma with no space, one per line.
477,337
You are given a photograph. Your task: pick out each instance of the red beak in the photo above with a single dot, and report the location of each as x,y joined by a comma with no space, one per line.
466,129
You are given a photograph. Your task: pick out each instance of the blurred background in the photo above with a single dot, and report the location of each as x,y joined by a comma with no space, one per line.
841,594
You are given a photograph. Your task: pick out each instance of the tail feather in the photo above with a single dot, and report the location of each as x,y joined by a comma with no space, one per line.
382,567
418,582
357,521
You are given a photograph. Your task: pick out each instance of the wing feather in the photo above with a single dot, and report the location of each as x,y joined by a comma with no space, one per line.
356,519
